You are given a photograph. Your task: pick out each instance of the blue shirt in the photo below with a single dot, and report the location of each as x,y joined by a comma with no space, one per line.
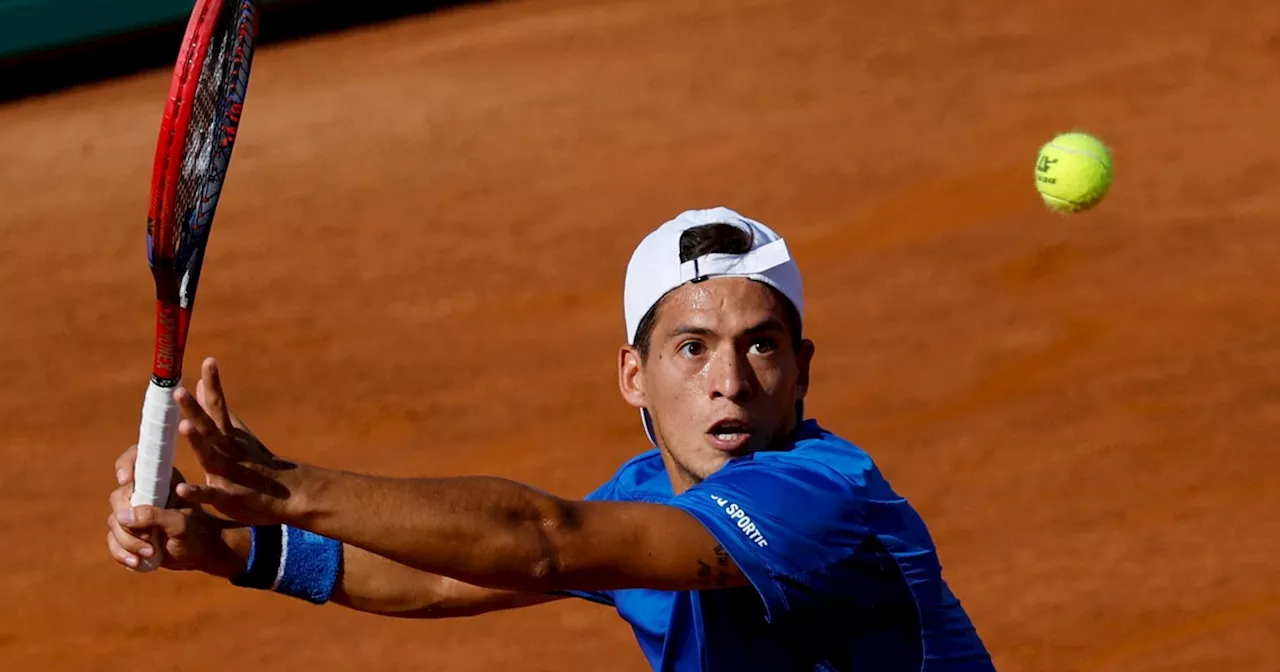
843,571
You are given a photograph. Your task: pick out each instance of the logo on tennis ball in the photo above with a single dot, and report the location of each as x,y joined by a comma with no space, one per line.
1043,166
1073,172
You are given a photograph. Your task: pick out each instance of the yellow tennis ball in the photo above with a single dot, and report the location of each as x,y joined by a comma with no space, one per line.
1073,172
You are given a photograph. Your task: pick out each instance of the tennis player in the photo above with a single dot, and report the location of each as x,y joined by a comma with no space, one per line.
748,538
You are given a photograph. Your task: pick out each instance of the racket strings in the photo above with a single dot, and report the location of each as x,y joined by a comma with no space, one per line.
203,137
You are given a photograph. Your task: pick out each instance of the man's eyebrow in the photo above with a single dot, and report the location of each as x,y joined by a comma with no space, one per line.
770,325
692,330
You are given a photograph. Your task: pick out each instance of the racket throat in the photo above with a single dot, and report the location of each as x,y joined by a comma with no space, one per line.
172,323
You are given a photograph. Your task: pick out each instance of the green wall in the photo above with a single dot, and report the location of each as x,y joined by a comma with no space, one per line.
39,25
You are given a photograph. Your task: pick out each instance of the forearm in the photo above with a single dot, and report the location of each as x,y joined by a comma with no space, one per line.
484,531
376,585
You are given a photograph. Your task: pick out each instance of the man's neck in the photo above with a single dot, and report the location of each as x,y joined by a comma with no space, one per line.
681,479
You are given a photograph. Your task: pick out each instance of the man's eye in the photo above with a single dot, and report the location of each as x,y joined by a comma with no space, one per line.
692,349
764,346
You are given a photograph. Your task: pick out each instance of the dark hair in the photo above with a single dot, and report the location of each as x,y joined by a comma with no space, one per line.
707,239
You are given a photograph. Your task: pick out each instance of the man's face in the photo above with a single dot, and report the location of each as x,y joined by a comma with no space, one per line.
722,378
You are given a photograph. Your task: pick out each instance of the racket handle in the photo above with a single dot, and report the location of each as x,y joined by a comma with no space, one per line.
153,472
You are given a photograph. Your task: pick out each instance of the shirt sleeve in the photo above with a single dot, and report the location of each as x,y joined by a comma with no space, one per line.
788,523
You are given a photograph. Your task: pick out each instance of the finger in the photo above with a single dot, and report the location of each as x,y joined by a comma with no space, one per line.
170,521
120,497
192,411
200,422
258,485
120,554
200,494
215,399
124,465
126,539
210,495
212,461
203,397
237,422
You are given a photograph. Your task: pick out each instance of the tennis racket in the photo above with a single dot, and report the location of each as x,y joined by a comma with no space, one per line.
197,134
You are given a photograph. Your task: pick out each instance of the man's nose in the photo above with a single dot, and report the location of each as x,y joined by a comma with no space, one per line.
731,376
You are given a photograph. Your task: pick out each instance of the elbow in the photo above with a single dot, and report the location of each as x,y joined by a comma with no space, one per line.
545,571
558,531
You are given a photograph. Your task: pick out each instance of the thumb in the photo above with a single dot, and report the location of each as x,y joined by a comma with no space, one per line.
172,522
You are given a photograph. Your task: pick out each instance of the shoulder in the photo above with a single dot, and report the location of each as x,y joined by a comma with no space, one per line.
642,478
817,453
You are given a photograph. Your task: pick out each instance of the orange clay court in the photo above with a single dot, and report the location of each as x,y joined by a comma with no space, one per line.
417,270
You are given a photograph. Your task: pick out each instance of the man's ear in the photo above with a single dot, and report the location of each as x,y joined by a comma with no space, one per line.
631,378
804,357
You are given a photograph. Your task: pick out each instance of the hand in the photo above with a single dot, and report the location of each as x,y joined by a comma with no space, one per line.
243,480
193,540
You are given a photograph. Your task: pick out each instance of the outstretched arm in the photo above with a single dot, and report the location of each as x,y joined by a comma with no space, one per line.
196,541
487,532
498,533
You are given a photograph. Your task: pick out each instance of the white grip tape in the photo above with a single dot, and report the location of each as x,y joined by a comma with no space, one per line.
153,471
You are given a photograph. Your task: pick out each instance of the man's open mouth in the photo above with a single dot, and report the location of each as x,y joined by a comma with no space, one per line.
730,435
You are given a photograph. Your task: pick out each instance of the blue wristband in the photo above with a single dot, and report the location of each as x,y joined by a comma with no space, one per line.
293,562
311,565
264,558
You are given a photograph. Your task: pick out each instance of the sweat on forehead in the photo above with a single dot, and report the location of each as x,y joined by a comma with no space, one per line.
719,300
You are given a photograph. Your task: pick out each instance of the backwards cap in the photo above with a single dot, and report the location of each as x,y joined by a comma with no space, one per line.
656,269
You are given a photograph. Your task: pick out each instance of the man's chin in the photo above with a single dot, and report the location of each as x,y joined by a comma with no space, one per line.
715,462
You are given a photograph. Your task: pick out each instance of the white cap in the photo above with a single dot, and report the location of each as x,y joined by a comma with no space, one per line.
655,267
